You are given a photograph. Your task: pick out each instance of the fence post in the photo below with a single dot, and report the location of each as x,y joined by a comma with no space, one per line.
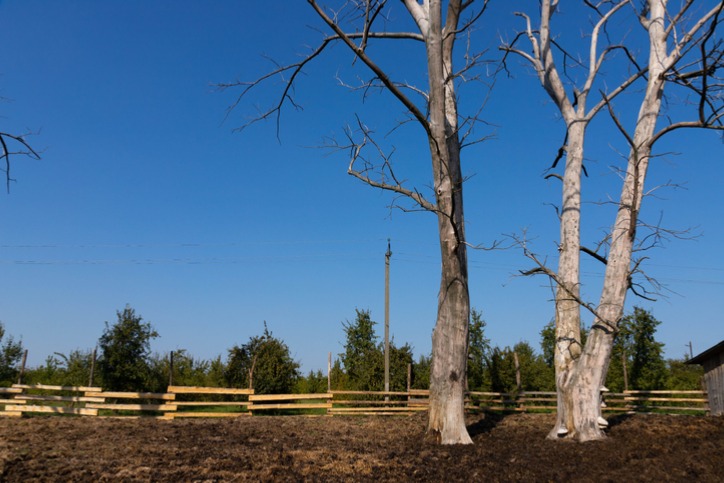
329,372
170,368
92,367
22,367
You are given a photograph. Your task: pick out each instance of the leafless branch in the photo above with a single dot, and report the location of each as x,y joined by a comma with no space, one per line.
385,176
541,268
25,150
381,75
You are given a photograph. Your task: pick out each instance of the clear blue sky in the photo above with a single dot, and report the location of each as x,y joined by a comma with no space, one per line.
144,195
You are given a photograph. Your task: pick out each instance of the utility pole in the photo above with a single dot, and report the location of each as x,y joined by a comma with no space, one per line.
387,318
691,350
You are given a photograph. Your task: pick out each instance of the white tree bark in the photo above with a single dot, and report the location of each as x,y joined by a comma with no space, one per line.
580,372
590,371
450,336
581,392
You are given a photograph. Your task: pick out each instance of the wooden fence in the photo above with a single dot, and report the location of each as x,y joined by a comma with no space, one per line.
185,402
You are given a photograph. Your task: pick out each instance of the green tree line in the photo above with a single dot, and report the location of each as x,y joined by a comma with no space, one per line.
124,361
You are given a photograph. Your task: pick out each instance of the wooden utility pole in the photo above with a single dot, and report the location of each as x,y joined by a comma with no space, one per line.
387,317
691,350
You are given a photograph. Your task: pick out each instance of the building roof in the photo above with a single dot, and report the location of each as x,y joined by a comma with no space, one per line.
707,354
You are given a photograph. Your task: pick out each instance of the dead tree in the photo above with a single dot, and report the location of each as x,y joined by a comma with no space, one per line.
575,111
684,51
434,109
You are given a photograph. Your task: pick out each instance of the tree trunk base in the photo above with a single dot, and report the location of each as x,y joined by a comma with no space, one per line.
447,425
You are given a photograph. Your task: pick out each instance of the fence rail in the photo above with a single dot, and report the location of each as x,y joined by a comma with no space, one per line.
190,402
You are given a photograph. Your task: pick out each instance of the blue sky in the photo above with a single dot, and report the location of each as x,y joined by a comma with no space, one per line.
144,195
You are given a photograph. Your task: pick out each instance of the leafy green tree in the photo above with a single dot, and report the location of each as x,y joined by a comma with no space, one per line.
10,354
548,341
637,356
421,372
648,368
265,363
617,379
535,374
314,383
338,377
75,367
682,376
400,359
124,363
478,353
187,370
49,373
63,370
502,370
364,358
361,358
217,373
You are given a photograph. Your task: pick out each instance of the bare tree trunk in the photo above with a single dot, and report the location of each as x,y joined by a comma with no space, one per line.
568,310
580,374
448,373
436,112
589,373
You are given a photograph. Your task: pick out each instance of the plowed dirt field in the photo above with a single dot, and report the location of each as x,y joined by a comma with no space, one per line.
296,448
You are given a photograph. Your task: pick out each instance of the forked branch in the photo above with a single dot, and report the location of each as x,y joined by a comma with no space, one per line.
25,150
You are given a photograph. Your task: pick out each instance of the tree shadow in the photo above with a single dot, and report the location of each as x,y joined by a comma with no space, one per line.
618,419
486,423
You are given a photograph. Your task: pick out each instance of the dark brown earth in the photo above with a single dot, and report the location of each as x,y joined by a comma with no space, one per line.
297,448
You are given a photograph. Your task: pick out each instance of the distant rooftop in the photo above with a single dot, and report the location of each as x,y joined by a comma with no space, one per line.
699,359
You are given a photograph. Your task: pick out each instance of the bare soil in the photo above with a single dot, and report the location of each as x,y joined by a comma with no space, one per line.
298,448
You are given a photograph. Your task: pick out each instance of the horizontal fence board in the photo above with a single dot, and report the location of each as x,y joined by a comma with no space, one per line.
666,399
494,394
132,395
372,413
667,408
419,392
662,391
206,415
10,390
54,410
288,397
372,393
57,388
11,414
375,410
376,403
34,397
162,417
208,390
212,403
133,407
257,407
